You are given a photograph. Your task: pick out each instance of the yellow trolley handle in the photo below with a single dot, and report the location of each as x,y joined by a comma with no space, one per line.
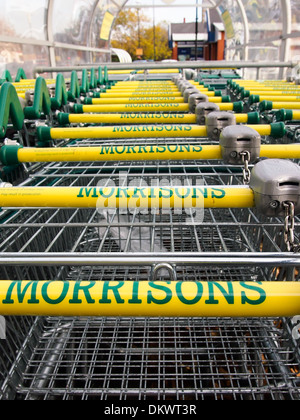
12,155
148,100
270,105
46,134
153,107
127,198
149,299
140,118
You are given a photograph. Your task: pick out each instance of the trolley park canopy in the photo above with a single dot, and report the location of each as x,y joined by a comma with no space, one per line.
41,33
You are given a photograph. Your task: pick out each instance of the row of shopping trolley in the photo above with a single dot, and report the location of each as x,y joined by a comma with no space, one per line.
149,237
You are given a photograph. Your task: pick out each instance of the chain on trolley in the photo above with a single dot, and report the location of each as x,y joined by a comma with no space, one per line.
246,156
275,184
240,146
289,227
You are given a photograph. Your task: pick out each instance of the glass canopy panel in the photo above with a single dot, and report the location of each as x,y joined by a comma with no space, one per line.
234,28
21,21
71,22
68,57
26,40
265,30
265,23
24,19
294,43
14,55
102,22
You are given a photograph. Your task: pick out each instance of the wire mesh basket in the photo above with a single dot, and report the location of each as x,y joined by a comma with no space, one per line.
124,358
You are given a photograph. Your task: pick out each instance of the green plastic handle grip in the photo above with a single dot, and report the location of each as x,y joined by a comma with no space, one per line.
10,109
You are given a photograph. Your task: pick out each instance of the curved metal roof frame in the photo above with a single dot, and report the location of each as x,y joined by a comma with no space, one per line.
286,21
50,35
50,9
52,45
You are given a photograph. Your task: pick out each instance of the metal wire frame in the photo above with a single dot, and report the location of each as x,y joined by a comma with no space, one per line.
157,359
180,359
96,232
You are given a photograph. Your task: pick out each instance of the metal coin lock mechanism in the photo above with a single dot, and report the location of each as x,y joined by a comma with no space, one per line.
275,184
191,90
203,110
239,142
182,85
195,99
217,121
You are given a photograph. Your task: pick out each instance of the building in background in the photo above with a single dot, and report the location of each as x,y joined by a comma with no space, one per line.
210,38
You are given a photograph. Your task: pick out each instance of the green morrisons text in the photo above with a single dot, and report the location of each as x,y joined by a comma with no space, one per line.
153,193
78,293
151,149
152,128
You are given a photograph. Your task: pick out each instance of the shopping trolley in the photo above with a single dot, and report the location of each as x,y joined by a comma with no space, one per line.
146,358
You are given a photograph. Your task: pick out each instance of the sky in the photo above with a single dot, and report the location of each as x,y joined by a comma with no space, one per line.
174,14
170,14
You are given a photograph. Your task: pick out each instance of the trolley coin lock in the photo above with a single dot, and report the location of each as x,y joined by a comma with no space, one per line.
239,143
176,79
188,92
276,184
183,85
217,121
195,99
203,110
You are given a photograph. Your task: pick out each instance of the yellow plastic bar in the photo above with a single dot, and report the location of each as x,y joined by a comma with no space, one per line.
148,94
265,83
296,115
142,100
280,98
262,129
128,198
149,299
142,95
174,152
256,90
152,82
132,131
145,87
286,105
162,71
135,131
27,82
120,153
133,118
165,107
241,118
138,118
146,100
142,85
280,151
119,71
145,90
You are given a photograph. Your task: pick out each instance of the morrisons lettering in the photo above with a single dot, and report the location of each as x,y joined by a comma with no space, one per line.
176,148
163,192
148,116
147,298
154,105
120,293
158,128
